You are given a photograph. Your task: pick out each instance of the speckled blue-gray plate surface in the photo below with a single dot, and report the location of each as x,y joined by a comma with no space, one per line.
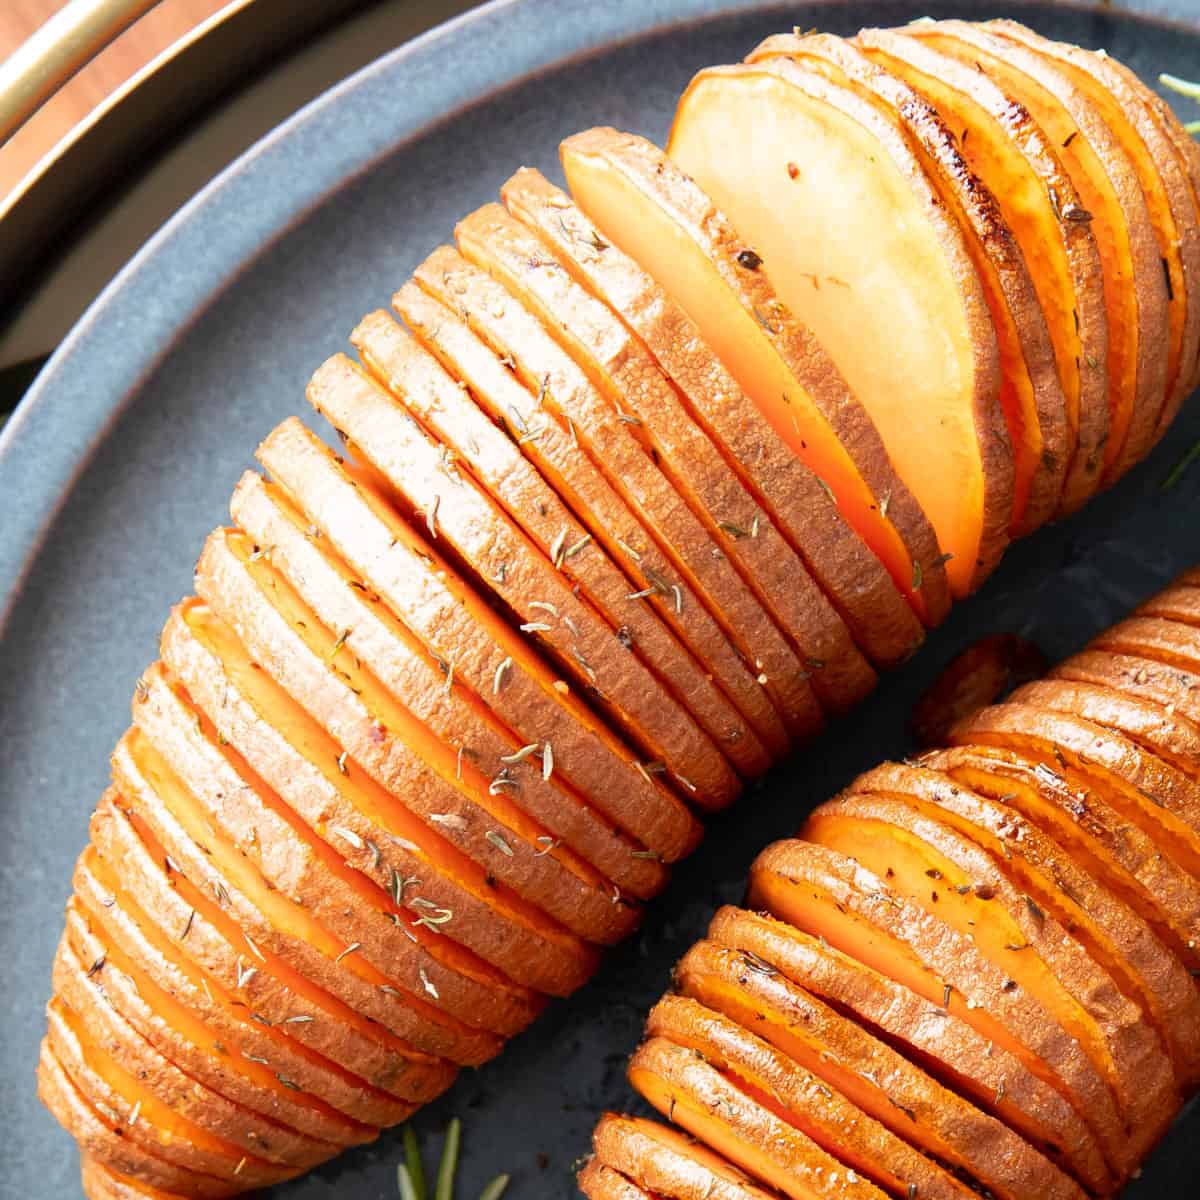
123,458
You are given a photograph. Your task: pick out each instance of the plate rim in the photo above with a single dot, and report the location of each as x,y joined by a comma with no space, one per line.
64,417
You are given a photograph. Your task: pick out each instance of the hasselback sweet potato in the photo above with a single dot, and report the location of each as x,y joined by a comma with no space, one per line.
641,485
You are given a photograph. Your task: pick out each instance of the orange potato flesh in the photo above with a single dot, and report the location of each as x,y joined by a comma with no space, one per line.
934,395
882,623
1120,943
598,1182
949,972
457,510
927,1034
87,983
867,1072
1135,370
487,983
297,650
1095,834
157,1127
99,1183
456,715
1168,641
776,594
668,1162
345,1103
670,550
800,1098
1030,395
1143,789
1007,149
319,1121
1022,940
142,776
724,1116
656,239
434,601
1132,121
524,477
98,1135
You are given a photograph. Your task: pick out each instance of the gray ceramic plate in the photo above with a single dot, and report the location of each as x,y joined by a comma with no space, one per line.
124,455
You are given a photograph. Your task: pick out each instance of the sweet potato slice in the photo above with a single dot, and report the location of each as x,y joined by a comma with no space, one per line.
882,624
1167,641
599,1182
99,1139
666,1163
977,677
504,926
1163,179
428,385
1121,942
556,390
864,1073
1008,150
279,926
1143,788
142,1117
84,985
99,1183
713,1108
829,895
801,1098
899,274
643,203
1031,396
328,1101
777,592
426,594
381,1078
458,511
581,899
926,861
930,1036
1180,603
1173,738
315,874
1095,834
1136,676
1135,293
176,1033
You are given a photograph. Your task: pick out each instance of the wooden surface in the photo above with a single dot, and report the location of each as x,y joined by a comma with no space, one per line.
158,29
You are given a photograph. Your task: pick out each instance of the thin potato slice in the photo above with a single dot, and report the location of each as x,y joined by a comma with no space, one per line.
735,1124
898,274
579,899
426,594
1136,676
456,510
670,1165
801,1098
1135,293
863,1071
953,879
623,371
425,383
882,624
1031,396
829,895
642,202
996,1081
556,393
